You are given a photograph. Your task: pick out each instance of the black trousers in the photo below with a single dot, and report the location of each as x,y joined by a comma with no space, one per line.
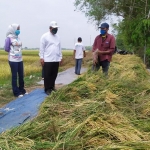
50,74
105,66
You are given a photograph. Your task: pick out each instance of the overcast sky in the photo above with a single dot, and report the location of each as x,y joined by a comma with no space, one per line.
34,17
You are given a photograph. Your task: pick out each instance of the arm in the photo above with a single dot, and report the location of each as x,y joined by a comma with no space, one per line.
60,51
61,62
74,53
16,42
84,54
104,52
112,45
7,44
41,51
94,45
95,52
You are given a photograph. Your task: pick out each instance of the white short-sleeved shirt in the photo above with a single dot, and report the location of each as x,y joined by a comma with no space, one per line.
79,48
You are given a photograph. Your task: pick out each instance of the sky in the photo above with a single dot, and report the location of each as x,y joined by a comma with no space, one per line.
34,17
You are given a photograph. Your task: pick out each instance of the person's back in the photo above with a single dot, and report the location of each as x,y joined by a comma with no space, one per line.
79,50
79,53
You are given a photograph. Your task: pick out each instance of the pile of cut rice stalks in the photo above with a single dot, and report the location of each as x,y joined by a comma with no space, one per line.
93,113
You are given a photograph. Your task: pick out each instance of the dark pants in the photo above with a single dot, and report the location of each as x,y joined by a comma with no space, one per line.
78,66
105,66
42,72
17,71
50,74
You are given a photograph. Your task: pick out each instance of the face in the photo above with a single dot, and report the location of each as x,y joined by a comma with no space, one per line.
103,31
17,32
106,29
53,30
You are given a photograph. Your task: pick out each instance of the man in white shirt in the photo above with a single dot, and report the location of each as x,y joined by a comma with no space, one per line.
50,56
79,53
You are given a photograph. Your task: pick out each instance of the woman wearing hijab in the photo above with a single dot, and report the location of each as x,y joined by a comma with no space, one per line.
15,60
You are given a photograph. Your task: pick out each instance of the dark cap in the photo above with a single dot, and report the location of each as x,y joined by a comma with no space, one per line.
104,25
79,39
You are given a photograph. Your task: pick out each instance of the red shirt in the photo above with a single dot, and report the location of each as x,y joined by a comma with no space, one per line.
107,44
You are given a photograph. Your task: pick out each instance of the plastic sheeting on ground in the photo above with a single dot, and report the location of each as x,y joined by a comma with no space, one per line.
20,110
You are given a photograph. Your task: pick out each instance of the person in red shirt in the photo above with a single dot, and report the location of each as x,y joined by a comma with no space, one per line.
103,49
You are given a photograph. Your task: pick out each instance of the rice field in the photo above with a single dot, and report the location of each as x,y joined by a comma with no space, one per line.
31,63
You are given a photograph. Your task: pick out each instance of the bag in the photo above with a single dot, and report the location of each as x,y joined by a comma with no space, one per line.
7,44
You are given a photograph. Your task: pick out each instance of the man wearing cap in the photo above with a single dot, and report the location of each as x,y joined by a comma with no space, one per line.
103,48
50,56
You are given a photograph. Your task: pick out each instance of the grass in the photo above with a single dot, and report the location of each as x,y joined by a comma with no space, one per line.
92,113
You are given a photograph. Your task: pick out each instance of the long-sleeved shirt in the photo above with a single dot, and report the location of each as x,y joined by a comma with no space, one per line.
15,53
50,48
108,44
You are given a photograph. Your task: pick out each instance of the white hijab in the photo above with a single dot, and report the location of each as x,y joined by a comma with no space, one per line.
11,30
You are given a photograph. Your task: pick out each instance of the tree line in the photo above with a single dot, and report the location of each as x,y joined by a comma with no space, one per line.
133,31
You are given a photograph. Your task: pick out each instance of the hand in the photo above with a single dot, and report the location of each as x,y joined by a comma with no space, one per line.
42,62
61,63
100,52
16,44
95,58
94,62
96,51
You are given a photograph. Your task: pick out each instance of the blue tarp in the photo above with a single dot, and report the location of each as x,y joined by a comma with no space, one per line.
18,111
26,107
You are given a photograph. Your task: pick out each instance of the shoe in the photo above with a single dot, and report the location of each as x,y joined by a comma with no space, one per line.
54,90
20,95
26,93
48,92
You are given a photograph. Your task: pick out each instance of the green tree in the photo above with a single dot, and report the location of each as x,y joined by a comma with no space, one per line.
133,33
